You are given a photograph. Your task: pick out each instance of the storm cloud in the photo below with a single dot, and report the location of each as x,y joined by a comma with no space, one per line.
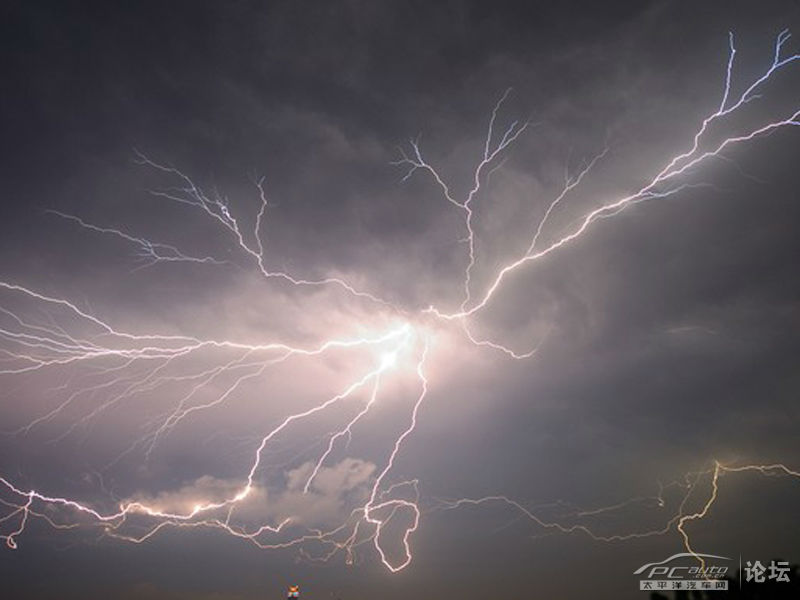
667,336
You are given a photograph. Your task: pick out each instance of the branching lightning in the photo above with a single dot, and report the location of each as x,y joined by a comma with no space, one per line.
120,366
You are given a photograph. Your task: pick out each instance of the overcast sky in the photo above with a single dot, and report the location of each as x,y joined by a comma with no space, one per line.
667,334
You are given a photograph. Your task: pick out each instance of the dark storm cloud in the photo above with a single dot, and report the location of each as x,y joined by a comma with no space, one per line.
670,333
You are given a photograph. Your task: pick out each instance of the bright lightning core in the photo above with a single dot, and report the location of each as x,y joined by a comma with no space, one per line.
303,478
388,360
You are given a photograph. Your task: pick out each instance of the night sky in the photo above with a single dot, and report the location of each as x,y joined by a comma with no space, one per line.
667,334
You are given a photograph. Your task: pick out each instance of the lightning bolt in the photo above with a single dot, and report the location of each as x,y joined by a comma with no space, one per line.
120,366
666,182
